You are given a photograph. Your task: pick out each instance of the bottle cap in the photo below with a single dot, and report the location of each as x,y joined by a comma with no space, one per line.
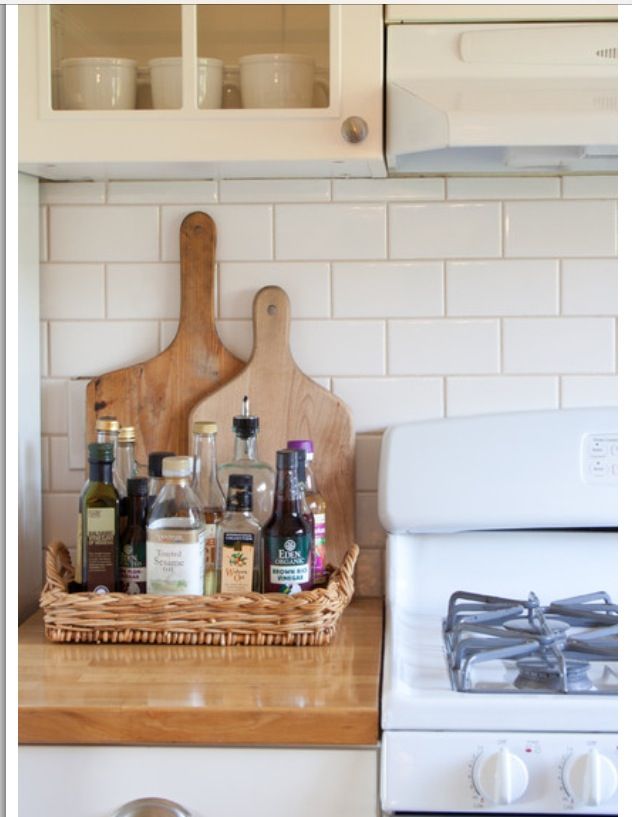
239,492
177,466
301,445
286,458
137,486
245,425
100,452
127,434
154,465
107,424
204,427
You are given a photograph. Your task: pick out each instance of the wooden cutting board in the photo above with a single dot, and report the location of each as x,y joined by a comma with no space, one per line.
290,406
157,396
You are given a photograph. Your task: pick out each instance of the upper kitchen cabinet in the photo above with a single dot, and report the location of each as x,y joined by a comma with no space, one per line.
200,91
499,12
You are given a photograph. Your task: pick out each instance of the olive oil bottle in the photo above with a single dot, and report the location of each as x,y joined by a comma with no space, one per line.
100,523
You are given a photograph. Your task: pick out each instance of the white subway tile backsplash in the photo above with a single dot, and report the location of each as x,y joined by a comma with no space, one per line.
88,348
43,234
72,291
248,191
388,189
558,345
43,348
59,518
63,478
162,192
54,416
485,395
103,233
501,288
77,423
504,188
387,289
236,335
307,286
330,231
244,232
338,347
168,331
143,290
589,287
443,347
560,228
45,464
369,531
379,402
590,187
367,461
585,390
448,230
72,192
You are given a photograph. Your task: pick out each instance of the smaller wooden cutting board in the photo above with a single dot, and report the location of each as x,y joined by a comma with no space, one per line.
156,396
289,406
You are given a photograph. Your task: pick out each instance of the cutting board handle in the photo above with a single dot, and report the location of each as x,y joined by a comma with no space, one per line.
271,318
198,239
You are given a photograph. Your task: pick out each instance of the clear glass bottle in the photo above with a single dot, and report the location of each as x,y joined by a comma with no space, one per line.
239,540
318,509
176,534
133,555
288,547
209,493
156,481
245,461
125,467
100,523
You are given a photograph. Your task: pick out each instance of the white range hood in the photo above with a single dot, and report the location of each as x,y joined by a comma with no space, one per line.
501,97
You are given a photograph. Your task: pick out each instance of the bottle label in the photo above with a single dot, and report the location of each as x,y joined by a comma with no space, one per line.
238,557
290,563
320,539
132,571
175,559
101,544
79,549
210,535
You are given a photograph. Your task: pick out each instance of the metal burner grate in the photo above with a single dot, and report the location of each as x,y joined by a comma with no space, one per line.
568,646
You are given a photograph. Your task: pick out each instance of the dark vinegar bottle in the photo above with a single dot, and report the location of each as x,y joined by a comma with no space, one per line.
287,537
133,555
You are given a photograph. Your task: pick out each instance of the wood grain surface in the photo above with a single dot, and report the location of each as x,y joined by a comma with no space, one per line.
123,695
290,406
157,396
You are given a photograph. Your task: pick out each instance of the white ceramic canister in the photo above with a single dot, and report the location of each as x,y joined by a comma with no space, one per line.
277,80
166,82
98,83
231,97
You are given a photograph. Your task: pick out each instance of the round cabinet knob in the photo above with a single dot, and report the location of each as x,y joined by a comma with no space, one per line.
501,777
354,129
151,807
590,779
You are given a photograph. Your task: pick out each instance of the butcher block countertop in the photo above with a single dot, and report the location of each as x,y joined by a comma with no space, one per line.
211,696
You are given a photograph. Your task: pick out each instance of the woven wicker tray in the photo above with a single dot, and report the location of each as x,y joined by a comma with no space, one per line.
305,619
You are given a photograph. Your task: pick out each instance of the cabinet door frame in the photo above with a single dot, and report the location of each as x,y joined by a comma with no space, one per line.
241,141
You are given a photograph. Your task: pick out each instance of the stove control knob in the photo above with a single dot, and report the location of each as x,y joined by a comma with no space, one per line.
590,778
501,778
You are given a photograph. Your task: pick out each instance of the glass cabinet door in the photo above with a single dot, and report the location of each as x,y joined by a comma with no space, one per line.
130,57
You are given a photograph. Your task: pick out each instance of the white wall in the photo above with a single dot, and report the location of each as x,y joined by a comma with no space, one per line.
29,462
411,298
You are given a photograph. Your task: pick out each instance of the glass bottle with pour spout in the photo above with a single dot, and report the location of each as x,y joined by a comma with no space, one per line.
209,493
246,461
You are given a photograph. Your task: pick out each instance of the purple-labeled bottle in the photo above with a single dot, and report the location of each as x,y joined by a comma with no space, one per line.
288,543
318,508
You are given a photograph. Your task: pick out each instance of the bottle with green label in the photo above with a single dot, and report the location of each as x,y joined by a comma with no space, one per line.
176,534
288,545
239,540
100,523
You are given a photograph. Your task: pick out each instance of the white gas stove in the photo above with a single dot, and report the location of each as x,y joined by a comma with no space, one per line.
500,666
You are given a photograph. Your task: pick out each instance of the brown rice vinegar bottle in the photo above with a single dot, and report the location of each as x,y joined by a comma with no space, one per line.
288,544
